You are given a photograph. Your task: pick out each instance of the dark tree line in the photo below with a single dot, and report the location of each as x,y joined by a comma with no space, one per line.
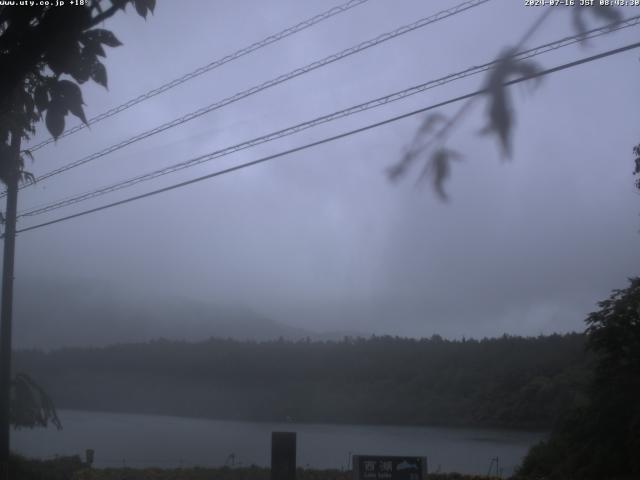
509,381
46,53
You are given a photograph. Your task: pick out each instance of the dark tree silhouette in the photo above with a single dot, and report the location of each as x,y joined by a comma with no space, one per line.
39,46
602,438
46,53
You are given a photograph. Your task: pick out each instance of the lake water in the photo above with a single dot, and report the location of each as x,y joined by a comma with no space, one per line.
146,440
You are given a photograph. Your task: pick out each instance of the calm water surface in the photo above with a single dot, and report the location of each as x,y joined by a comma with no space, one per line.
146,440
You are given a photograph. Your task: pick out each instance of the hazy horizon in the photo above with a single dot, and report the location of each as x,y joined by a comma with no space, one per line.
99,315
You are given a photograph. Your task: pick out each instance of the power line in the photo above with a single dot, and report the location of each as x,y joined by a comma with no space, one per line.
271,83
335,137
207,68
632,21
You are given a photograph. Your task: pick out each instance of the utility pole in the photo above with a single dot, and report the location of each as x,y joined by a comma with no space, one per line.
7,301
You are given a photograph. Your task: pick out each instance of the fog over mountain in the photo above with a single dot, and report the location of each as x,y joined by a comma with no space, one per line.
321,239
87,312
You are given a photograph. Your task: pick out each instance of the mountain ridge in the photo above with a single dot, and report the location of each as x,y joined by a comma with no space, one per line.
70,312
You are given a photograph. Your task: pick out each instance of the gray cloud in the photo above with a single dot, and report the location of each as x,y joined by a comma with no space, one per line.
321,239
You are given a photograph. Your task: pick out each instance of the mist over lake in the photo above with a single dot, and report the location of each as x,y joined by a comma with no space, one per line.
164,441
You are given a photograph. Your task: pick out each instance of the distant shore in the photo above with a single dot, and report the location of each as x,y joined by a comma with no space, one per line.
294,422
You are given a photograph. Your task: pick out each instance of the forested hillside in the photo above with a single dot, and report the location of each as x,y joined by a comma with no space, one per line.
508,381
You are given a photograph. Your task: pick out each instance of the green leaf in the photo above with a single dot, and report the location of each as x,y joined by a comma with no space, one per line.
85,66
68,89
100,35
99,74
78,111
71,97
141,7
92,47
55,119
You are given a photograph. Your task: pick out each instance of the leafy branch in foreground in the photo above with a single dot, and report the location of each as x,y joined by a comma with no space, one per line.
500,115
500,112
46,53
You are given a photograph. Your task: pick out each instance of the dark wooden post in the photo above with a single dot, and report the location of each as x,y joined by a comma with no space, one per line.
7,302
283,455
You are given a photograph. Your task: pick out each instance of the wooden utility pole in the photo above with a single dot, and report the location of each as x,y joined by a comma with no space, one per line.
7,301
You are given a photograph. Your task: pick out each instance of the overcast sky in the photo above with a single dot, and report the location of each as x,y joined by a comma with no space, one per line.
321,239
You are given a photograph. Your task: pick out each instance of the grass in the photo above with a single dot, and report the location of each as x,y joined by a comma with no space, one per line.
72,468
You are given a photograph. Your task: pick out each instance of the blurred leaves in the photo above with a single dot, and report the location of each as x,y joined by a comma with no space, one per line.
430,122
500,113
439,169
636,170
607,13
437,161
